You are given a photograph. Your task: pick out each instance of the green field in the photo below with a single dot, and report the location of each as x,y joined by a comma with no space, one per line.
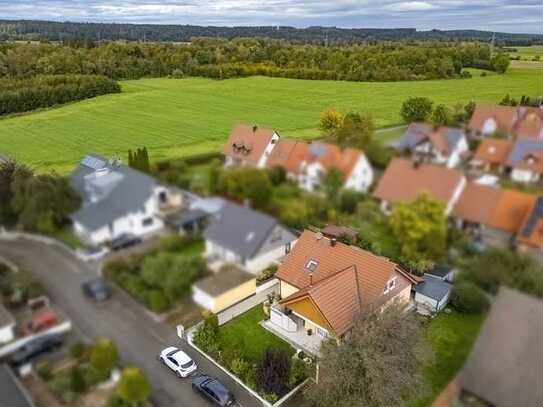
189,116
528,53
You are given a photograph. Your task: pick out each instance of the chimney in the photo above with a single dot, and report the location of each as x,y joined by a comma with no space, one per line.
333,242
310,279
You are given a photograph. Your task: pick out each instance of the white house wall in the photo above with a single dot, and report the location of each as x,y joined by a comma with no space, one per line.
263,161
526,176
6,334
361,176
263,261
202,298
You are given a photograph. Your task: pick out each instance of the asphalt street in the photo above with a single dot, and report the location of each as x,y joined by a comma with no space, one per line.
138,337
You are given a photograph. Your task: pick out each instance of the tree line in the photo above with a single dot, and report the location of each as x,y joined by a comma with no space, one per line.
26,94
221,58
60,31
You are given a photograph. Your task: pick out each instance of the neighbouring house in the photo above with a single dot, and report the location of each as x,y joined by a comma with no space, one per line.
116,200
7,326
516,121
308,164
492,155
224,289
505,366
247,238
432,294
404,181
493,215
441,145
530,236
12,391
249,146
325,284
526,160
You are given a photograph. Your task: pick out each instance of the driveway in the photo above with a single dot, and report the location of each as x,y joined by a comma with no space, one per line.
138,337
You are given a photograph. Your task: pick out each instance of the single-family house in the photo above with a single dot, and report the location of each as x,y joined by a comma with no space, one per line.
530,236
491,155
247,238
7,325
505,366
308,164
224,289
404,181
12,391
441,145
325,284
516,121
116,200
526,160
432,294
492,214
249,146
442,272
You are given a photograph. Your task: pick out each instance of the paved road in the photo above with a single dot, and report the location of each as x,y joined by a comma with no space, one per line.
138,337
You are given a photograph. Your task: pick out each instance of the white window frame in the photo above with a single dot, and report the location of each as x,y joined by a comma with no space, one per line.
391,285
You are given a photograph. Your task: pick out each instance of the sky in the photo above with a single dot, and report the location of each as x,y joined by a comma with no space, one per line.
522,16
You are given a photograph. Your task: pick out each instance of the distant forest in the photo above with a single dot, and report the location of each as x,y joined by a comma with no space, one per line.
61,31
221,59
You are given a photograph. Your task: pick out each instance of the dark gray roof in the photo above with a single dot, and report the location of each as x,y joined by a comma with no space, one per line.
418,132
109,191
5,317
227,279
433,287
506,364
440,270
522,148
242,230
12,394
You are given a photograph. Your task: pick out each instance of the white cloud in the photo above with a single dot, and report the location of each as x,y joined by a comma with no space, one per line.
411,6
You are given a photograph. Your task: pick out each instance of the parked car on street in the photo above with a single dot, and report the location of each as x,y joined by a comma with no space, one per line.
96,289
41,321
92,253
35,348
178,361
213,390
125,241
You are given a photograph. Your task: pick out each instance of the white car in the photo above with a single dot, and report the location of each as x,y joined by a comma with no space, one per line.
92,253
178,361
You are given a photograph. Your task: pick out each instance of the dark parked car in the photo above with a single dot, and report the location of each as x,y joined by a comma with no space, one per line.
35,348
214,390
125,241
97,290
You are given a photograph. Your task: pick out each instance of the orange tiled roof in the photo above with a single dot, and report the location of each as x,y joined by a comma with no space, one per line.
404,180
339,268
477,203
530,124
511,210
493,151
247,144
505,117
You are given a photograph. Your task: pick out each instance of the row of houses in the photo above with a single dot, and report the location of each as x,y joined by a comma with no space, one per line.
499,217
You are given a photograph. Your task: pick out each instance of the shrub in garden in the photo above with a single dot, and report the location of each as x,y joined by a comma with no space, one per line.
44,370
273,372
298,372
133,387
78,350
240,367
77,380
469,298
104,357
207,334
156,301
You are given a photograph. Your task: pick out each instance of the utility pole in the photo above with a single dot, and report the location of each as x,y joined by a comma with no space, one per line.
492,44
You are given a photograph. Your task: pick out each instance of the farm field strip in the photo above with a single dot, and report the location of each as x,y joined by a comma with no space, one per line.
181,117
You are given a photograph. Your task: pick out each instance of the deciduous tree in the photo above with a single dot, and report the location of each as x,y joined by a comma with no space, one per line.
133,387
416,109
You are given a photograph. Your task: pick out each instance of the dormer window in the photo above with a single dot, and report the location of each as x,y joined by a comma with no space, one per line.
312,265
250,236
390,285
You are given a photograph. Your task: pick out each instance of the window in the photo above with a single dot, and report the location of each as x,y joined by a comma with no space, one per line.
312,265
147,222
390,285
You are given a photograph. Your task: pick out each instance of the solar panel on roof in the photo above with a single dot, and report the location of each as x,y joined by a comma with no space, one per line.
93,162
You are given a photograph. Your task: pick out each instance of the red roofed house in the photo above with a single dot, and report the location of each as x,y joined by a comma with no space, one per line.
249,146
517,121
404,181
308,163
325,284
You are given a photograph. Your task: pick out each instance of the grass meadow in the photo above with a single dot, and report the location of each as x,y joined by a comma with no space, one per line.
182,117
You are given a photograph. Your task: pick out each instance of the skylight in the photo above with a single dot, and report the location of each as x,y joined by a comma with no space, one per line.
312,265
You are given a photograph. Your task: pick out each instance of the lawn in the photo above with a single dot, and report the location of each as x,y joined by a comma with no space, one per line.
245,338
528,53
452,337
180,117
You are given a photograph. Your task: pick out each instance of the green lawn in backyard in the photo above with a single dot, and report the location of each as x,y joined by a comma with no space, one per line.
180,117
245,338
452,337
